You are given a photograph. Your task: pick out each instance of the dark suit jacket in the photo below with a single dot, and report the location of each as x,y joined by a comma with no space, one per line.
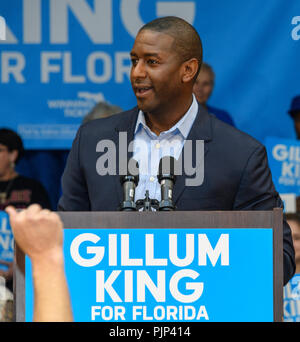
236,172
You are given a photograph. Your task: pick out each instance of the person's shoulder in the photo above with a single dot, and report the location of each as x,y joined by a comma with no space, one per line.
221,114
106,125
27,181
215,110
230,135
38,191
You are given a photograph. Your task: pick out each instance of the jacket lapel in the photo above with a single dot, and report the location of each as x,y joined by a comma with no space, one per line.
122,136
201,130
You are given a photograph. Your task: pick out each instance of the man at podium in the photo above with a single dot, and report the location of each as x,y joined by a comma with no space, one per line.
166,59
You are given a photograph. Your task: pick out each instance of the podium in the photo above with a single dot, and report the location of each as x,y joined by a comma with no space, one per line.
168,266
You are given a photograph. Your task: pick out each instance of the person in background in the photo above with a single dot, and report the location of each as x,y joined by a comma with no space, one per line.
101,110
292,289
295,114
294,223
203,89
15,189
39,233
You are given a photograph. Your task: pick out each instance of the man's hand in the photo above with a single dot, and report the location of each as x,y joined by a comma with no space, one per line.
37,231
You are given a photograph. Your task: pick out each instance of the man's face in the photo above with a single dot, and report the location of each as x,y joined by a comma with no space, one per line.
155,72
5,160
203,86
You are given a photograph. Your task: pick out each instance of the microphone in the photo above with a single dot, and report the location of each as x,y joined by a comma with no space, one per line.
129,183
167,180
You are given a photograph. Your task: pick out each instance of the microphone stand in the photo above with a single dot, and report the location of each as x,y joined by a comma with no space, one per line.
166,185
128,183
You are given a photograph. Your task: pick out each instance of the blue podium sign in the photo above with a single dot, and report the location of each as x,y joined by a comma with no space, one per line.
167,275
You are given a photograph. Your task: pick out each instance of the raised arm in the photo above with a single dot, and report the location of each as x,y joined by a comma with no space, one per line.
39,233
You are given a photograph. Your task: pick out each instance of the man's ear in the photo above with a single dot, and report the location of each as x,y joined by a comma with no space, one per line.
189,70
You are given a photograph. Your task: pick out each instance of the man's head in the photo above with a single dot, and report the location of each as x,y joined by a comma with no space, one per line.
295,114
204,84
101,110
11,150
187,43
166,59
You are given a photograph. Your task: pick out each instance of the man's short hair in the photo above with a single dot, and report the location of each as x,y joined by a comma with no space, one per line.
12,141
187,40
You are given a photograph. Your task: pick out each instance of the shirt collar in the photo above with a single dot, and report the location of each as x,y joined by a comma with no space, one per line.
184,125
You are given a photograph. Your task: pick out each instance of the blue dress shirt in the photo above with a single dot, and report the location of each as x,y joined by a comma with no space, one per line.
148,149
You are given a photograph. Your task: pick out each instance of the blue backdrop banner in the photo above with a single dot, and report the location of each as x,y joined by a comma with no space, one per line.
284,161
167,275
60,57
6,241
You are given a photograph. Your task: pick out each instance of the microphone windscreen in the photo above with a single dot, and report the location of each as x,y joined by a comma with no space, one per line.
133,172
166,166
